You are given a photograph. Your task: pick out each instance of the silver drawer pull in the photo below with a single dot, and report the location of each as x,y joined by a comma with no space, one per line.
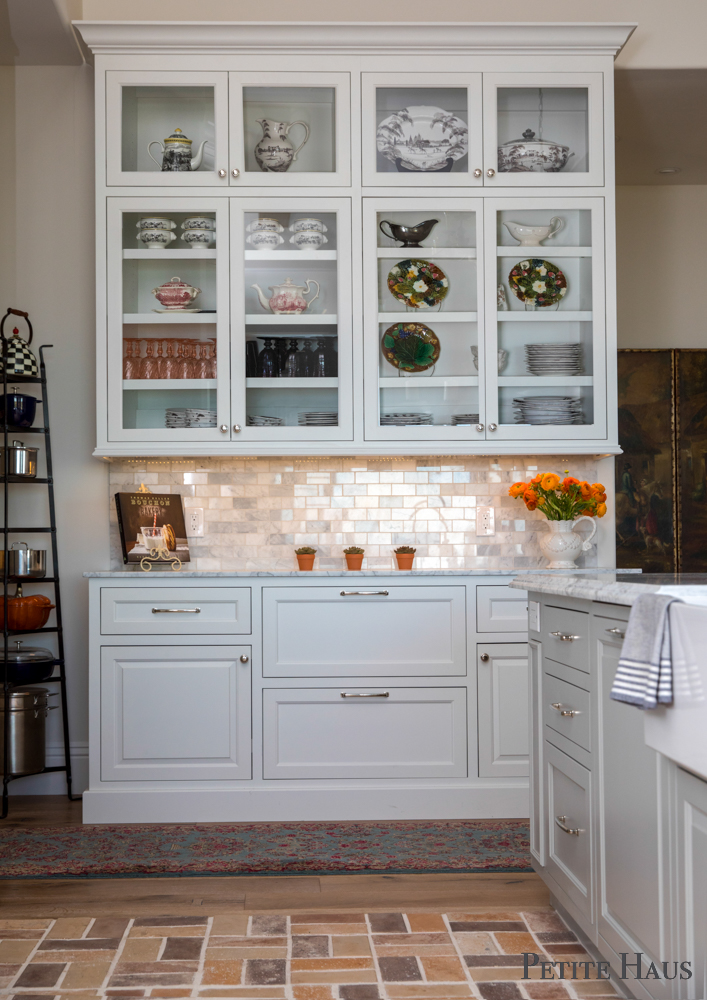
568,712
176,611
565,638
616,631
560,821
363,593
366,694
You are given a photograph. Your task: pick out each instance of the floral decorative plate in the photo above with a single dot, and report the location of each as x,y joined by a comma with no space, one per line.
411,347
538,281
422,138
418,283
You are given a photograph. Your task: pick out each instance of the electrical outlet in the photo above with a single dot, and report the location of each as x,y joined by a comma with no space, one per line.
485,521
194,517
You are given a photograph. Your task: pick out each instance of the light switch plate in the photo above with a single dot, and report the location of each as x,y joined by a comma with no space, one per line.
534,616
485,523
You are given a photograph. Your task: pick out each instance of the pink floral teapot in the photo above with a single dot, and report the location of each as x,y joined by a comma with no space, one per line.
287,297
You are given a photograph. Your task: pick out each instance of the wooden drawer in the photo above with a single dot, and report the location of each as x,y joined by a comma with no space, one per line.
173,611
562,696
500,609
364,631
569,804
371,733
559,622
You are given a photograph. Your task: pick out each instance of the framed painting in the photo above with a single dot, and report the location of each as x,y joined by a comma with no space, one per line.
691,449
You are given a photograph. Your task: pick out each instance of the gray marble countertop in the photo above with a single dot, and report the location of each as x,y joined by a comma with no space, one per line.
169,574
607,586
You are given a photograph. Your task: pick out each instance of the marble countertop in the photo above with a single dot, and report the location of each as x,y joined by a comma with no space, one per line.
169,574
611,586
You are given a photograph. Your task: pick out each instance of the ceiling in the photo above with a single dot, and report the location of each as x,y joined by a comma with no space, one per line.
661,121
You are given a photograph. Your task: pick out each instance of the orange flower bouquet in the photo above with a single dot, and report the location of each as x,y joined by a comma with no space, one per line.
564,502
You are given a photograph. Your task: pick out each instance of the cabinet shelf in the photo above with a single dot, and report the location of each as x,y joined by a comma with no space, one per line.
292,383
301,319
290,255
529,381
427,315
169,383
440,253
170,317
169,254
543,252
544,317
433,381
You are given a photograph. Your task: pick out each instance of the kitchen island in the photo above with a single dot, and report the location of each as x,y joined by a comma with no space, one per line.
618,830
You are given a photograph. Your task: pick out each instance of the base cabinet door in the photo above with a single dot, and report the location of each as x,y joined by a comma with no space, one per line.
692,880
503,709
569,828
176,713
354,732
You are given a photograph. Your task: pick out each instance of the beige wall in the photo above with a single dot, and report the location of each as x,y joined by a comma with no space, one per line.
661,266
669,34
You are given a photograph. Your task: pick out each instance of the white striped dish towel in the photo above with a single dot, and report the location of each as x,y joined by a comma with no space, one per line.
645,673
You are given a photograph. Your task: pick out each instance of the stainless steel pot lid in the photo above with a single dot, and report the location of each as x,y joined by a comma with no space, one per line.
23,699
28,654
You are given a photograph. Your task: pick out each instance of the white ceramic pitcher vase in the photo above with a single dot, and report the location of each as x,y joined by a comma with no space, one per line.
561,544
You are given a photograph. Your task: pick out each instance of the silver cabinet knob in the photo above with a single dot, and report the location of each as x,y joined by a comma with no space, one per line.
493,427
222,173
490,172
235,172
484,657
224,428
478,173
479,427
244,658
237,428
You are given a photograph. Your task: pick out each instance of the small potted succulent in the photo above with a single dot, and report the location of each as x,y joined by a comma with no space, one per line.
405,555
305,557
354,557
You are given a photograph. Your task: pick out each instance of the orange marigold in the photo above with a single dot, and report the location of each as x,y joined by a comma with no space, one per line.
601,509
598,488
517,490
567,482
550,481
585,490
536,479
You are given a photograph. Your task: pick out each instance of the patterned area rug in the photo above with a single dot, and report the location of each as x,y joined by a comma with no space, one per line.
265,849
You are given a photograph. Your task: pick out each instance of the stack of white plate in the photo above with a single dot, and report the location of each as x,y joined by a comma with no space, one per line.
465,418
554,359
324,418
548,410
404,419
200,418
176,418
258,420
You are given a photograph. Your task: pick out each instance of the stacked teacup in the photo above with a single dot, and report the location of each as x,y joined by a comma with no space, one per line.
155,232
264,234
308,234
199,232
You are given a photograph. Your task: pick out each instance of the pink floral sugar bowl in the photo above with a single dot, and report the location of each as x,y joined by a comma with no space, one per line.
175,294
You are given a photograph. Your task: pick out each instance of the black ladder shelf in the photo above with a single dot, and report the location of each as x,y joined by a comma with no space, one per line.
7,529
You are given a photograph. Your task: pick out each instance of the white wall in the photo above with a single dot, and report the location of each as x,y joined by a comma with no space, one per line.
661,233
47,268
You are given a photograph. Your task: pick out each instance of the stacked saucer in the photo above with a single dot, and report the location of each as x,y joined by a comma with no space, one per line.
464,418
548,410
324,418
405,419
200,418
554,359
258,420
176,418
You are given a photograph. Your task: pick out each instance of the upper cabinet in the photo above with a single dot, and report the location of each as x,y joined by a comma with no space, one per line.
355,239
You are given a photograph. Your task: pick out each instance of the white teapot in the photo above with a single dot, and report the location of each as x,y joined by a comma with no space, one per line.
176,152
287,297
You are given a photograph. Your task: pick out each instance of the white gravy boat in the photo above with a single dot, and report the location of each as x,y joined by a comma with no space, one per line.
531,236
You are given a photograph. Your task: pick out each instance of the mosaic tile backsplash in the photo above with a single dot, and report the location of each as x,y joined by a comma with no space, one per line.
258,510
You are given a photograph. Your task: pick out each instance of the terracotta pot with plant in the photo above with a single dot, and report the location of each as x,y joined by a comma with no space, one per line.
405,555
305,557
354,557
564,502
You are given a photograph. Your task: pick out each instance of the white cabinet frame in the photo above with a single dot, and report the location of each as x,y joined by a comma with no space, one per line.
594,177
471,82
116,176
341,177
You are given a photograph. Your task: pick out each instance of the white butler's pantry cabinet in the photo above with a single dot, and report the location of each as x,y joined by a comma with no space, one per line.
354,239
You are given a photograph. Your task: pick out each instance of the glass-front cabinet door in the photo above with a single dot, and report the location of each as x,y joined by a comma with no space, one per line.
543,130
423,310
166,129
545,319
421,129
290,129
291,319
167,357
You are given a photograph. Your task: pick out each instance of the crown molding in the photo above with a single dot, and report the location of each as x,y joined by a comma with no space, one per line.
255,38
